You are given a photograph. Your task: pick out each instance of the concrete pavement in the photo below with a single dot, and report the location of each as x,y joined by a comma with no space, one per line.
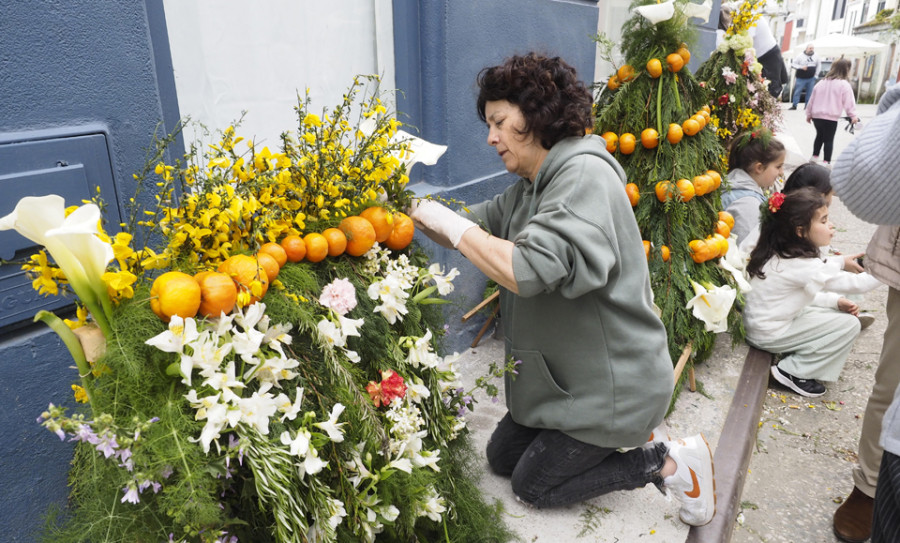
804,451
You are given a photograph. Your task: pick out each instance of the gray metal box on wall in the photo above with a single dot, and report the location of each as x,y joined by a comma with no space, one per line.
74,167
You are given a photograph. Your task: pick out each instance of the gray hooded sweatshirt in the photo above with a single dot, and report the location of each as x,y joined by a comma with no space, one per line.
594,357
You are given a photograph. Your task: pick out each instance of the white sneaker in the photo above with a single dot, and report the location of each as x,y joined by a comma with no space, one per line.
693,482
865,320
660,434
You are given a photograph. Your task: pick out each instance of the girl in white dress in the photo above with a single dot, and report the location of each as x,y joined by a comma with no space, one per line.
794,308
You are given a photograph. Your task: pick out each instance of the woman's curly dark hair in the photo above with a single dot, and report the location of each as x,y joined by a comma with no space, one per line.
778,231
555,104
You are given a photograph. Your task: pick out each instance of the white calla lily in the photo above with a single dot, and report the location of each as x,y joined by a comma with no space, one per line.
735,263
697,11
72,242
656,13
419,150
712,305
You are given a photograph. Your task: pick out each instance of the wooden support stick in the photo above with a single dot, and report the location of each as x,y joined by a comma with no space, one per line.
485,327
682,360
478,307
692,382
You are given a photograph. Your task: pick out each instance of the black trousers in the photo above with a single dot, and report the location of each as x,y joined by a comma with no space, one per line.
886,516
825,131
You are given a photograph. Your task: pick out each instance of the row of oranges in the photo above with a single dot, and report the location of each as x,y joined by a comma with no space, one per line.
627,142
244,279
674,63
684,190
714,246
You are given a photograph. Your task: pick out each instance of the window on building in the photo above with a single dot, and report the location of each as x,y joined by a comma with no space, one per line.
862,16
840,6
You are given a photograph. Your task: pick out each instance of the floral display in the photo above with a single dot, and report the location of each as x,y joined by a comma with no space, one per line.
236,386
739,96
657,124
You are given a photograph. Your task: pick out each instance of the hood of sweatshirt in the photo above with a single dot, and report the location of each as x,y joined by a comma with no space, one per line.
739,179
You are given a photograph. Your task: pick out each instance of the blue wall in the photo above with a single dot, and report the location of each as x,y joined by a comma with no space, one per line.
440,46
67,68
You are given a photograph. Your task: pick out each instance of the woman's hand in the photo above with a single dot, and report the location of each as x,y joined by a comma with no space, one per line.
439,222
847,306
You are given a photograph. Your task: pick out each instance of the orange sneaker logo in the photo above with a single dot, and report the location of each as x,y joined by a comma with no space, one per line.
694,492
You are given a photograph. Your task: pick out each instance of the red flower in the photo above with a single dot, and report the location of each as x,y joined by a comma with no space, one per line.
775,201
389,389
723,100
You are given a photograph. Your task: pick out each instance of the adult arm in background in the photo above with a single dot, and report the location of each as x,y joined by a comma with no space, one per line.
865,175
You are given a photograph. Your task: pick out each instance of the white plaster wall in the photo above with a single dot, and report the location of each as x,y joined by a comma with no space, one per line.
231,56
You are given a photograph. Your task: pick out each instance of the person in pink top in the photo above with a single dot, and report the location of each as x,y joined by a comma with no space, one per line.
830,98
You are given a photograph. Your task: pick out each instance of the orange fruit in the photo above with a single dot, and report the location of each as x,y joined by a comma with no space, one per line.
381,220
722,243
174,293
611,141
654,67
685,190
268,263
706,108
218,294
613,83
727,218
275,251
703,250
703,184
360,235
294,248
649,138
723,229
675,62
690,127
248,273
634,194
625,73
663,191
627,143
701,120
717,179
684,53
316,246
647,249
675,133
337,241
705,114
403,232
665,253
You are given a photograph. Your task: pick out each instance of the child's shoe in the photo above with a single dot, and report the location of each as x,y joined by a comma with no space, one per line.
865,320
804,387
693,482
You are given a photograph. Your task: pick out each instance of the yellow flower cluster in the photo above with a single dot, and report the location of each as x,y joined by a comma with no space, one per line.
236,202
745,16
45,277
747,119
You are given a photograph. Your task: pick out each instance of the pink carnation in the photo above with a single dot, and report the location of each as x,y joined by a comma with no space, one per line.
339,295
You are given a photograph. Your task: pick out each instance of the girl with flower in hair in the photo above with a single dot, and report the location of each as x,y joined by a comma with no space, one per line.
794,306
756,161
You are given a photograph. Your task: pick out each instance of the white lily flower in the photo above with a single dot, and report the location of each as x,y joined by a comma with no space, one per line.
417,392
736,265
312,464
443,282
419,150
427,459
72,242
332,427
299,444
403,464
432,506
350,327
420,352
656,13
256,410
246,344
712,305
181,332
291,410
330,333
352,356
251,316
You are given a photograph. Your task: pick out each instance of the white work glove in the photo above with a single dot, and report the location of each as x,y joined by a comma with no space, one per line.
439,222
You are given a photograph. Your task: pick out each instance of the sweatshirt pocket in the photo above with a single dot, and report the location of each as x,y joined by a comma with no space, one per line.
535,399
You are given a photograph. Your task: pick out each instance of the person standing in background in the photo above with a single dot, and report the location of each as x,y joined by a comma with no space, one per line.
807,66
865,178
824,107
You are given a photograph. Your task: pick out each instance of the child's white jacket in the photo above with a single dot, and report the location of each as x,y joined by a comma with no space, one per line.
790,285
